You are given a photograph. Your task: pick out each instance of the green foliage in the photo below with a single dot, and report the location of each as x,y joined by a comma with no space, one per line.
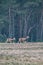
2,38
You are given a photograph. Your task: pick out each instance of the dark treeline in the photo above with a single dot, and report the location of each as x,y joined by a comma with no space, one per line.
21,18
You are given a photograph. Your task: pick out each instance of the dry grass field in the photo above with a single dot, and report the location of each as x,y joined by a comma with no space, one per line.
21,54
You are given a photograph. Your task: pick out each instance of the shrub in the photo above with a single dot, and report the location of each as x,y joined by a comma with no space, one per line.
3,38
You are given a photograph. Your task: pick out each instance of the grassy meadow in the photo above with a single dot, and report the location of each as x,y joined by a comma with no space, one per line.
21,54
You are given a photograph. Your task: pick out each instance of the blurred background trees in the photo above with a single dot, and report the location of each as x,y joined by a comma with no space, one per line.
18,16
